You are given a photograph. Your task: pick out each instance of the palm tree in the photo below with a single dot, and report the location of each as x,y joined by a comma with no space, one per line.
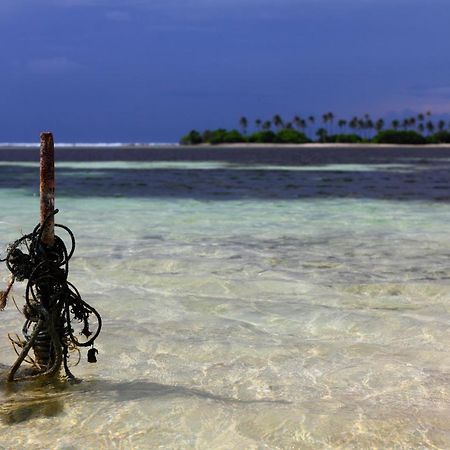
369,125
366,117
243,122
277,121
395,124
353,124
430,126
361,124
421,128
297,121
288,126
302,125
379,125
258,123
327,117
322,133
311,120
341,124
441,125
330,119
420,117
266,125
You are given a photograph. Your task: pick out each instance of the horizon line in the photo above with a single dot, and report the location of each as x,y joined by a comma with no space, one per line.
89,144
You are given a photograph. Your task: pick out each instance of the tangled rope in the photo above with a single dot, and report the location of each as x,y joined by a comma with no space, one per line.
54,310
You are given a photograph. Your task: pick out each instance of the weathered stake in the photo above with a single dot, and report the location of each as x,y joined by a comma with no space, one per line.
52,302
47,187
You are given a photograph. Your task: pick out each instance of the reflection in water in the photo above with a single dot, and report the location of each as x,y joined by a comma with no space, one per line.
30,400
23,410
26,401
141,389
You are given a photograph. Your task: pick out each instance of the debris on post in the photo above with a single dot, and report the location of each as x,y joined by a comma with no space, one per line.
54,310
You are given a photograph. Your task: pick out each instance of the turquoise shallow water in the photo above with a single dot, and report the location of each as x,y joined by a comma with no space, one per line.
245,307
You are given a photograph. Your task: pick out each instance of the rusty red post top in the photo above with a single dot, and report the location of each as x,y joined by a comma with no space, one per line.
47,187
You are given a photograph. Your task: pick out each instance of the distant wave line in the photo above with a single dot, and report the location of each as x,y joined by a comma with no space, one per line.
91,144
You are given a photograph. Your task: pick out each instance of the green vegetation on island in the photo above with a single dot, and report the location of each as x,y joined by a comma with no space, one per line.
416,130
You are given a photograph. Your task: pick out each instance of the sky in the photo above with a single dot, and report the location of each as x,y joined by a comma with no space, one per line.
151,70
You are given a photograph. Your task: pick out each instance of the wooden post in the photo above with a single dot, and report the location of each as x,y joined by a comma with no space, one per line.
47,187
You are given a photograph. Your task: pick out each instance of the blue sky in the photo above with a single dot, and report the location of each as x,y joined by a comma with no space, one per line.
150,70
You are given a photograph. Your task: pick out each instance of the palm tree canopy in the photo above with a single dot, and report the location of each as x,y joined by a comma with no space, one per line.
321,133
277,120
243,121
420,122
297,121
379,124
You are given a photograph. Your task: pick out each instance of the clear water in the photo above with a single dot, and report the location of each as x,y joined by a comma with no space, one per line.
245,306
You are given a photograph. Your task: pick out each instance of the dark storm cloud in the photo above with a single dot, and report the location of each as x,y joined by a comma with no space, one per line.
96,70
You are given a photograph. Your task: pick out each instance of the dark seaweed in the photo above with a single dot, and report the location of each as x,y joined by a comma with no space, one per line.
53,306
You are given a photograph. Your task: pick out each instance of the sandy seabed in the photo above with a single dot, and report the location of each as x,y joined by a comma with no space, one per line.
253,298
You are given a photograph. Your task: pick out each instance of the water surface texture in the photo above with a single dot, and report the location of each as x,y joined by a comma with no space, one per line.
293,302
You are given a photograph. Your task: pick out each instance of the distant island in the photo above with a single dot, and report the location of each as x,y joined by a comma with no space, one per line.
415,130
